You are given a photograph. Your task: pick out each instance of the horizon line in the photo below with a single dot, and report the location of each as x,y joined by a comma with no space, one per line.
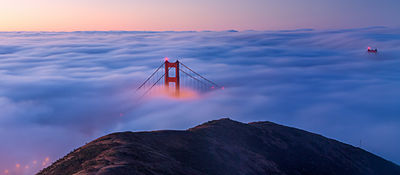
228,30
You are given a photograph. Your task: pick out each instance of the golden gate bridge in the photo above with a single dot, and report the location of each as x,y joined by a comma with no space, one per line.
174,77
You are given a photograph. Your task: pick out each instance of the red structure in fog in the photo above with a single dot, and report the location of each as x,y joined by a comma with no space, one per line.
169,79
188,79
372,50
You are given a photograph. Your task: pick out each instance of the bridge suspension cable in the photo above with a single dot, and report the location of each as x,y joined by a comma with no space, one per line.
215,84
151,76
148,90
192,77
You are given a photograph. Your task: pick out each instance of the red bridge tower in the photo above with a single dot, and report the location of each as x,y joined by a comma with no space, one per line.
169,79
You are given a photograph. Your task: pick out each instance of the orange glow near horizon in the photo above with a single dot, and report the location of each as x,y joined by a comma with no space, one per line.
29,168
101,15
184,94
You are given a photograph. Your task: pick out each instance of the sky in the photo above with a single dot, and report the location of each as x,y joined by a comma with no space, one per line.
60,90
303,64
184,15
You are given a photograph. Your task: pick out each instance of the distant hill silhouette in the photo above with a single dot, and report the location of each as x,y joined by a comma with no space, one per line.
221,147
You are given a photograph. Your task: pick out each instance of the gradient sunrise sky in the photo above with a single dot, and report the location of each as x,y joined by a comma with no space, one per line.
73,15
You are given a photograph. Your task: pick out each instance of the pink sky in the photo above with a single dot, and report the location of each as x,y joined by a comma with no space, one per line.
71,15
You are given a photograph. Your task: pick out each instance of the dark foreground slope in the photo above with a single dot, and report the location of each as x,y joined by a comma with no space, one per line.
221,147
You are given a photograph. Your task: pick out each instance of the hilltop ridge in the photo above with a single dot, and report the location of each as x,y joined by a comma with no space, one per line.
220,147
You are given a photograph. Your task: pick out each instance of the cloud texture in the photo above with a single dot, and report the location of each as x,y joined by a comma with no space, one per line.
60,90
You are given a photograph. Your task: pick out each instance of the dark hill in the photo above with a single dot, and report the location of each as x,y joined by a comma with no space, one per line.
221,147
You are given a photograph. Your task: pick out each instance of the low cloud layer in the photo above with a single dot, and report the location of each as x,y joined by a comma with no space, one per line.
61,90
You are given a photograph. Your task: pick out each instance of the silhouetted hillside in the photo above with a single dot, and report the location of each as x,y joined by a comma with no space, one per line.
221,147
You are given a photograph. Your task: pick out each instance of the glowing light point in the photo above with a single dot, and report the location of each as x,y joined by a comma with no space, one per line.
372,50
166,58
212,87
17,165
222,87
6,172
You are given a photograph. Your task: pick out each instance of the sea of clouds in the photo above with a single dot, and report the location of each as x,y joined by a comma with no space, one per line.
60,90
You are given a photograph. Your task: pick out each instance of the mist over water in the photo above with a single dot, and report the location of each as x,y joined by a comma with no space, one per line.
59,91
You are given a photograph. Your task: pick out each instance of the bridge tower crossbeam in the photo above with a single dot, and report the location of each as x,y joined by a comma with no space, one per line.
169,79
